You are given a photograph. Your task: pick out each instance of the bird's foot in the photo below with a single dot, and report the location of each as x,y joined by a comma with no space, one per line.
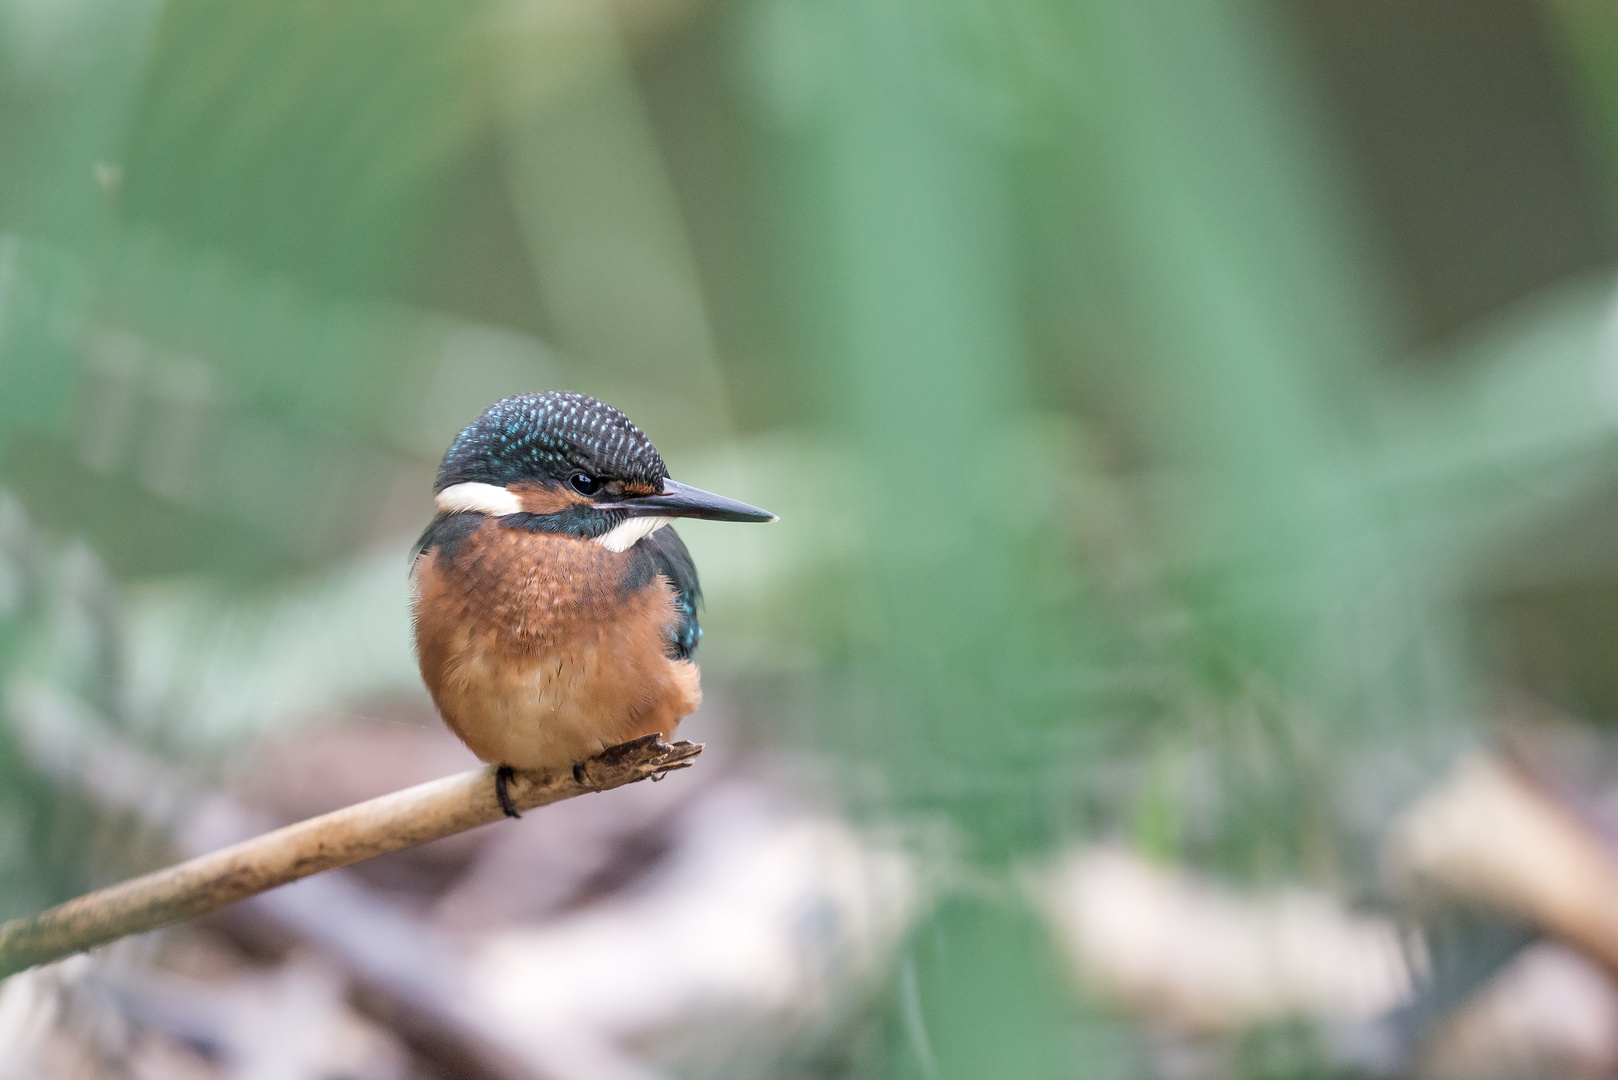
578,772
502,777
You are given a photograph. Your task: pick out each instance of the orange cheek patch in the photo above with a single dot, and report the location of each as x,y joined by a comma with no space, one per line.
546,498
639,489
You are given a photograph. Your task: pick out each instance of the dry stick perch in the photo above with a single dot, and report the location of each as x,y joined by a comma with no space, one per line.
341,838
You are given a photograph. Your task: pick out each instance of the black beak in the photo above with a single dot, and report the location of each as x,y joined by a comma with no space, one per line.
682,500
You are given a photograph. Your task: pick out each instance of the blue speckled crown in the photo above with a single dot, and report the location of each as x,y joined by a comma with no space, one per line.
549,436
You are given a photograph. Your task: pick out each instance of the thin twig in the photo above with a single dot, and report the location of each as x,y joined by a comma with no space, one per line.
341,838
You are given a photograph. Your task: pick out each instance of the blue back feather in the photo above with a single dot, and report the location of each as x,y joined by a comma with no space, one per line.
670,558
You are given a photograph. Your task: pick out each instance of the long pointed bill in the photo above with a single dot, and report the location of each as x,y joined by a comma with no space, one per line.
679,500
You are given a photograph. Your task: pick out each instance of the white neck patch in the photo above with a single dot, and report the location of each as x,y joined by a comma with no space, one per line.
478,499
629,533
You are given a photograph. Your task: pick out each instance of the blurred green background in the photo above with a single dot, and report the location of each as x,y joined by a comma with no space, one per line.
1191,423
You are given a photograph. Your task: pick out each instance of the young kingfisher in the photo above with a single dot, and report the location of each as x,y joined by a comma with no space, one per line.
555,610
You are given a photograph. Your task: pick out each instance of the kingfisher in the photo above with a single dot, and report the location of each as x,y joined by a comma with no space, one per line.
555,608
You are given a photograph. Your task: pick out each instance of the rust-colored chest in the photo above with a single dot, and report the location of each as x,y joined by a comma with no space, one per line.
526,591
542,649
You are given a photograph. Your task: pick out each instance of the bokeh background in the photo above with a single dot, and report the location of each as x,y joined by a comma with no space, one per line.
1194,427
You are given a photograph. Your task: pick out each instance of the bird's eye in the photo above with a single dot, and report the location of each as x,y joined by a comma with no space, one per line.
584,484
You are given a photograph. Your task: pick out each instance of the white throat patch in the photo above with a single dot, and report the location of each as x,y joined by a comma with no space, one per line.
478,499
629,533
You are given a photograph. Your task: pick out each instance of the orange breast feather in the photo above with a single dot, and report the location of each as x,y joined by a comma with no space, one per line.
536,655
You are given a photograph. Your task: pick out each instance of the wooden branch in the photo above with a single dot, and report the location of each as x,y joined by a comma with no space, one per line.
1487,837
341,838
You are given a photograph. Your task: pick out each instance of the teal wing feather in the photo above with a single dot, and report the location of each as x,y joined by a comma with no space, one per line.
673,561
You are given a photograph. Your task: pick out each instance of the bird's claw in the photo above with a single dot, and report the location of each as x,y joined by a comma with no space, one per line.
502,777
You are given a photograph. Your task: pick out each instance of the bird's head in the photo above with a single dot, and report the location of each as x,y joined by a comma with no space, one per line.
575,465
